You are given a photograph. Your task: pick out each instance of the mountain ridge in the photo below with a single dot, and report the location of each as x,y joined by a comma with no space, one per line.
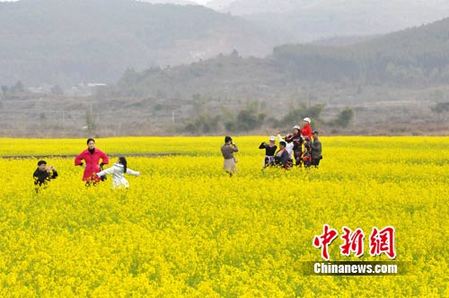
67,42
415,56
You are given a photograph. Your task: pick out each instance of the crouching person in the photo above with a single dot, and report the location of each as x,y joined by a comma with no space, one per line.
283,158
118,171
43,175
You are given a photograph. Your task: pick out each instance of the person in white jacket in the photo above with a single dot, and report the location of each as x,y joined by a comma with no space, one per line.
289,146
118,172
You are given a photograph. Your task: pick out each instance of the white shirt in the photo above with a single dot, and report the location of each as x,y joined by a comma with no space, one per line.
289,146
118,177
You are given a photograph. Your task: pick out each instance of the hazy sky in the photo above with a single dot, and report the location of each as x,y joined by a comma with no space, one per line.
197,1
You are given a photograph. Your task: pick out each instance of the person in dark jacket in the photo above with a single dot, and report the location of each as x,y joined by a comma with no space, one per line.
43,174
270,151
316,150
297,140
282,157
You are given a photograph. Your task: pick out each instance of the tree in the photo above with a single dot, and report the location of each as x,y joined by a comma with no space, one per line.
204,123
18,87
235,54
247,119
90,122
344,118
296,115
57,90
199,104
439,108
4,90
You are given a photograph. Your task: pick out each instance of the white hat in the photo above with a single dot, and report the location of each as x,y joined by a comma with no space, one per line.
307,119
272,138
297,127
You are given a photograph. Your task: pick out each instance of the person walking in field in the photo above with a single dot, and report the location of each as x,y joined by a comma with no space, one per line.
228,150
270,151
316,150
118,171
43,174
94,160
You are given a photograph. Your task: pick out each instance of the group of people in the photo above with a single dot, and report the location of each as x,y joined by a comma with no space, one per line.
93,160
302,147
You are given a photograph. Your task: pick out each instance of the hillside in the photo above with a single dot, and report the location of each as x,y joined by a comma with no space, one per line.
392,84
71,41
251,7
178,2
383,84
306,20
414,56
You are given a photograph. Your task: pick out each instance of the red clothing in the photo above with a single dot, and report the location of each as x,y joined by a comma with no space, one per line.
306,131
92,161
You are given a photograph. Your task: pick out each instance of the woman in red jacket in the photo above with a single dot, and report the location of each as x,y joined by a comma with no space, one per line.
94,159
306,130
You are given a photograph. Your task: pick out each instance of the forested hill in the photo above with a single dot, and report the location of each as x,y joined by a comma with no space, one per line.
308,20
71,41
414,56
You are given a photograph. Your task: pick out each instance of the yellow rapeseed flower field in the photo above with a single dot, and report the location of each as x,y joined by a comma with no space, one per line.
184,228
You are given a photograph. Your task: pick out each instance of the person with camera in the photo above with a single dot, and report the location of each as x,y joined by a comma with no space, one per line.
43,174
228,150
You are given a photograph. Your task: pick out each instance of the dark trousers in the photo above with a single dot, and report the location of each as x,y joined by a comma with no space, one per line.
316,162
298,157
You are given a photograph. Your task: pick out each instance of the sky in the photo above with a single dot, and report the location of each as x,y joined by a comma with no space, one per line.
197,1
